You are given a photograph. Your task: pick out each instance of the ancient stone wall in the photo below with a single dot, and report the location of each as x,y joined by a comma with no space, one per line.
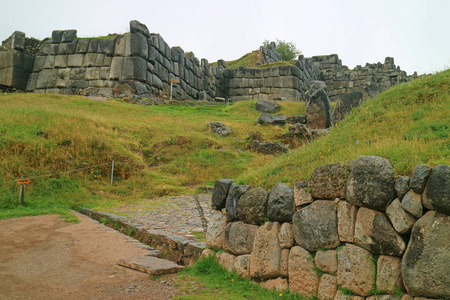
269,54
138,62
353,230
289,82
370,79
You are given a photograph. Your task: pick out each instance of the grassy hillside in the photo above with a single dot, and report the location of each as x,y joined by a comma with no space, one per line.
408,124
66,144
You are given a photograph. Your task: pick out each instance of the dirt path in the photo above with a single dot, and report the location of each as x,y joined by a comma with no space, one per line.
44,258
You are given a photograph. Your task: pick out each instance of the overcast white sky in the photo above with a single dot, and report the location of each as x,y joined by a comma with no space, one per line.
415,32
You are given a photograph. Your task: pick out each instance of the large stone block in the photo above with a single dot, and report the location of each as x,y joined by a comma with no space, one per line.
419,178
303,278
402,186
266,119
49,62
239,237
371,182
346,221
279,284
46,79
242,265
326,261
268,107
329,181
389,275
57,36
286,236
82,46
265,257
77,73
134,68
226,260
315,226
93,73
220,193
60,61
301,195
138,45
252,206
62,79
89,59
426,263
437,191
215,234
138,27
327,287
18,40
68,36
284,262
374,232
318,108
412,203
234,194
39,62
400,219
355,269
280,205
75,60
345,105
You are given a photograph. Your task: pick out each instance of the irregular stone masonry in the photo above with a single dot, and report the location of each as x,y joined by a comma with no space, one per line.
142,63
370,79
360,239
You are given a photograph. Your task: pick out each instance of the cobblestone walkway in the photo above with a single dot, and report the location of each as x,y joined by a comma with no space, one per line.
175,215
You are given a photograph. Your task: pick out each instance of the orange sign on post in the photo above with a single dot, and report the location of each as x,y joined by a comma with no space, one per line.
23,181
174,80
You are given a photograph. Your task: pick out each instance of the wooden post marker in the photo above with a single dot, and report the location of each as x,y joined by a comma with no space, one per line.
172,81
22,181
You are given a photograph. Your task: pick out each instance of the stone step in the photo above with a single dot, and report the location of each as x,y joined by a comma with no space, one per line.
151,265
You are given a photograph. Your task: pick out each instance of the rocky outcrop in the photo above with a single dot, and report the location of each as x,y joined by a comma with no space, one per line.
268,147
219,128
266,119
318,108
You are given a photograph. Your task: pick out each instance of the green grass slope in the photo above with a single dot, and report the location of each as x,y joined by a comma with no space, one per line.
66,144
251,60
408,124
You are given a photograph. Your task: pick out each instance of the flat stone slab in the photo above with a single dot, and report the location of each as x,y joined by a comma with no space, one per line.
151,265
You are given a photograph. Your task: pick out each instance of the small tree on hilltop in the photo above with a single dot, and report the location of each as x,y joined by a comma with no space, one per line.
288,50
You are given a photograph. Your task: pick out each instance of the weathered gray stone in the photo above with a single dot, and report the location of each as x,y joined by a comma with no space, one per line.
49,62
426,263
326,261
151,265
56,36
374,232
62,79
77,73
89,59
315,226
268,107
371,182
18,40
138,46
329,181
207,252
389,275
318,108
280,206
301,196
355,269
252,206
75,60
301,119
437,191
134,68
220,193
346,221
327,287
303,278
219,128
68,36
242,265
412,203
345,105
234,194
239,237
268,147
401,186
419,178
286,236
46,79
138,27
400,219
265,257
266,119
